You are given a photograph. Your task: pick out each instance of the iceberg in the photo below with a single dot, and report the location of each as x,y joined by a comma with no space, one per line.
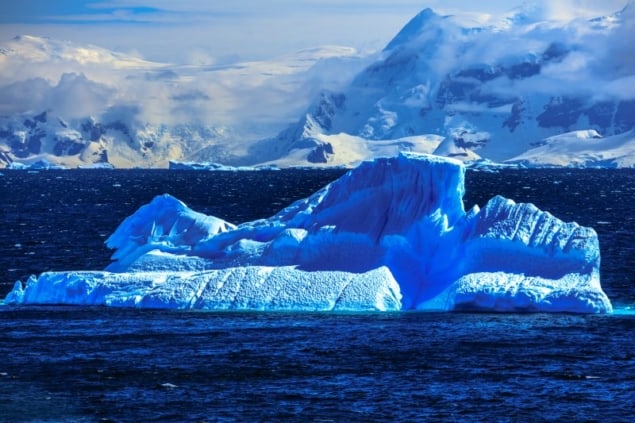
391,234
211,166
41,164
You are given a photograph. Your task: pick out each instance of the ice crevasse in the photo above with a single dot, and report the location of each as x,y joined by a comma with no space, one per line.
391,234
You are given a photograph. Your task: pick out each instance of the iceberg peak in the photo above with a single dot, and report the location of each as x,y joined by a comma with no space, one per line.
392,192
166,224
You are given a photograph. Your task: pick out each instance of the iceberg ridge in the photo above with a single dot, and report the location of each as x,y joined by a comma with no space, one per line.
391,234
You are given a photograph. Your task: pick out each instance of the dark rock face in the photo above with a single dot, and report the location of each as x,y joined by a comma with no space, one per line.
34,142
555,52
467,87
118,126
468,140
625,116
92,130
67,146
516,116
601,114
5,158
466,84
103,156
328,105
561,112
24,147
37,134
40,118
523,70
321,153
606,117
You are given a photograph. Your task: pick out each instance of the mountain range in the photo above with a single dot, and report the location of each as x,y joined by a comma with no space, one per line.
79,105
519,90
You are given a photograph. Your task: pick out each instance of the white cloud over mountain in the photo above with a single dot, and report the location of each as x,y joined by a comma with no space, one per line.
77,81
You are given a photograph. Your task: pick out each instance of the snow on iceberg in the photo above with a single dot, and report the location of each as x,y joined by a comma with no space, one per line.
391,234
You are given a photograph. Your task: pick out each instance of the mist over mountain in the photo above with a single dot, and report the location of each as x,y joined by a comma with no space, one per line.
80,104
502,89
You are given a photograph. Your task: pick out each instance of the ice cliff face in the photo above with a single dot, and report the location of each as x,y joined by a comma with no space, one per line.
391,234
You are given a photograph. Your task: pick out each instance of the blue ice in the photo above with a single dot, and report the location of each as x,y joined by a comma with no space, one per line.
391,234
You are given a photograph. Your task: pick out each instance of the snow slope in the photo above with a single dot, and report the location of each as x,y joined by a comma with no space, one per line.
390,234
582,149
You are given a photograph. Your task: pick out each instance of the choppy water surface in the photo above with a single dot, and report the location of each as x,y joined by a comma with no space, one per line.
125,365
97,364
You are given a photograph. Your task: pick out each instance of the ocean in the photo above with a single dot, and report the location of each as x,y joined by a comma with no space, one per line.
99,364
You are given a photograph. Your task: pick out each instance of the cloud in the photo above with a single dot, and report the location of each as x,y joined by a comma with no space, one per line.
598,60
258,97
621,88
618,51
194,95
73,96
23,96
162,74
566,10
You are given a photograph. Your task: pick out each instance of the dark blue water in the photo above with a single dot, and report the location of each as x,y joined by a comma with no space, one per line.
97,364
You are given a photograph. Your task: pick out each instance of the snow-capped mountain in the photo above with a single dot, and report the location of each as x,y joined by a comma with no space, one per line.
506,89
493,91
79,142
581,149
77,105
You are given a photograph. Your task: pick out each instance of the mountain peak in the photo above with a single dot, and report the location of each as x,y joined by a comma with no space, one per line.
412,29
27,37
34,42
37,49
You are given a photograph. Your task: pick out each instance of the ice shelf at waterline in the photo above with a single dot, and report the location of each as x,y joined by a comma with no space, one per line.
391,234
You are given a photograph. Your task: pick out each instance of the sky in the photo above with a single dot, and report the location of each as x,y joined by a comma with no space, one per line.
219,32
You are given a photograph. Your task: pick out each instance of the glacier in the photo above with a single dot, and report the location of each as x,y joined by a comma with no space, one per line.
391,234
